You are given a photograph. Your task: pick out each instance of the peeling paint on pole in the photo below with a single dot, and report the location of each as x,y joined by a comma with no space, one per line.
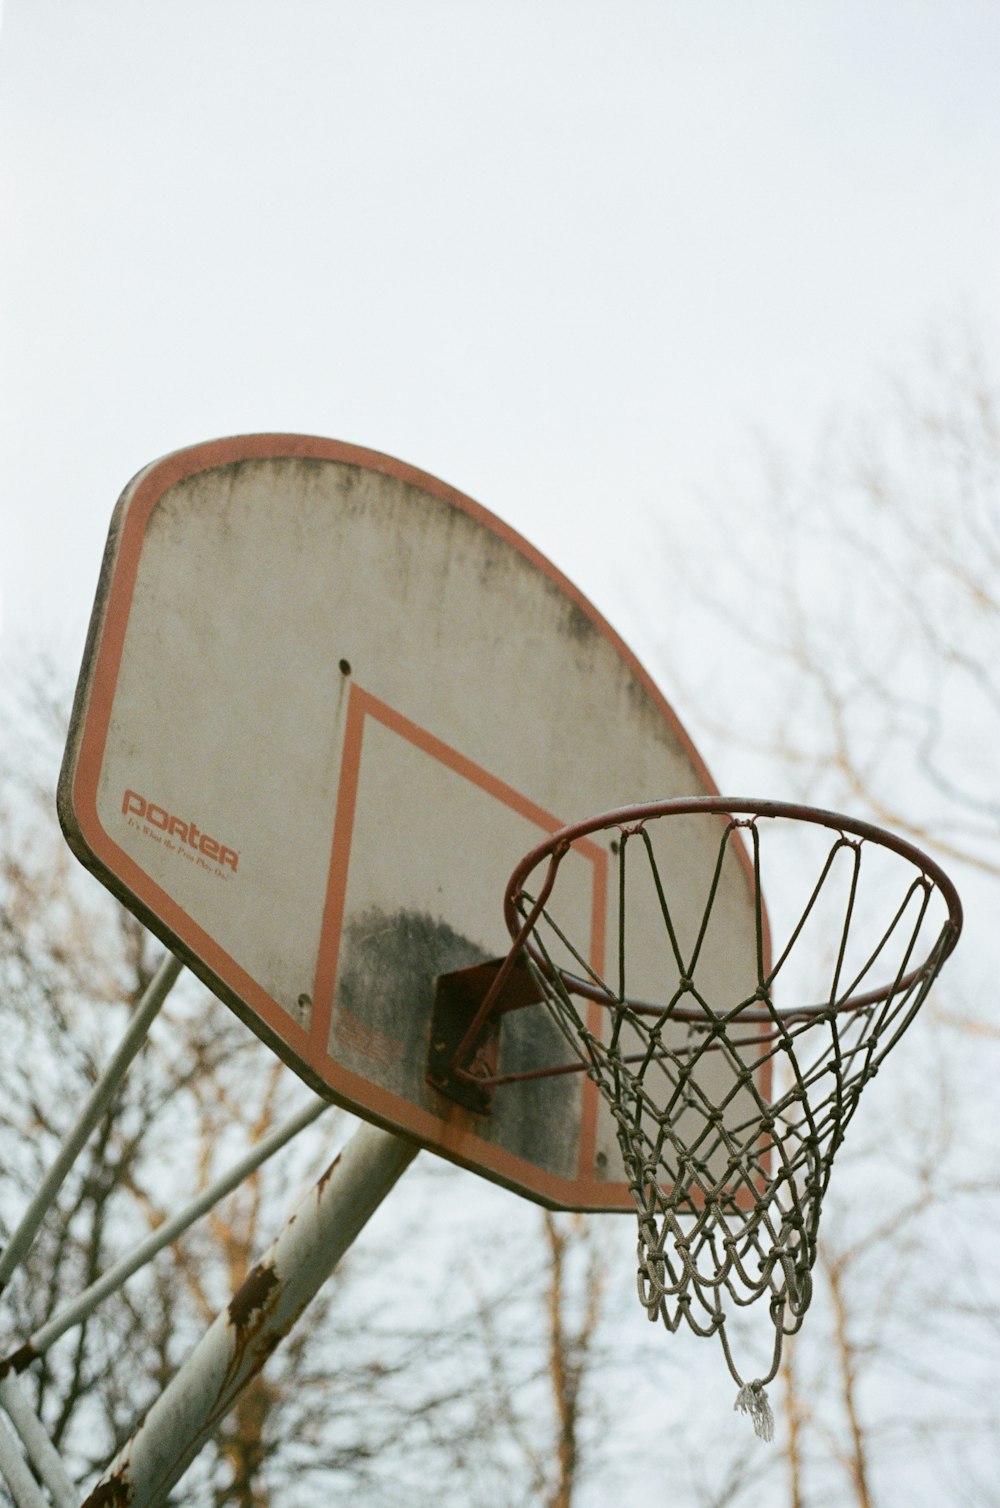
257,1318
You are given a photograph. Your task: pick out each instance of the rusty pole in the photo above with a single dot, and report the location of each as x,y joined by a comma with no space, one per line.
259,1315
114,1277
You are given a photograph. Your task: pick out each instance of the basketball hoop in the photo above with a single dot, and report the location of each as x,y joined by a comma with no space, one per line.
728,1168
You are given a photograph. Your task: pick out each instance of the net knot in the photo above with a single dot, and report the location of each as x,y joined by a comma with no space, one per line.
752,1399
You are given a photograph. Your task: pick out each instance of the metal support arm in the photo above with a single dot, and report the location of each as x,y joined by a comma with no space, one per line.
243,1336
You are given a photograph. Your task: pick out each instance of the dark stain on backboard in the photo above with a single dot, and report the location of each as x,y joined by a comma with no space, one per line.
390,962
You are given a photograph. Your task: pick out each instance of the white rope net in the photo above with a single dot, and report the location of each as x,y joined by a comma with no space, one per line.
728,1168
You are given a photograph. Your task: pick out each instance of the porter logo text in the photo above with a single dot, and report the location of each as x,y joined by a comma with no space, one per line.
134,805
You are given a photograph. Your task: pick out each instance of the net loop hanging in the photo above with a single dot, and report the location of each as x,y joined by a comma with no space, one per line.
729,1111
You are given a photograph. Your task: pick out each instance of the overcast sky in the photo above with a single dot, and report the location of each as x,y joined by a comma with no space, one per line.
564,254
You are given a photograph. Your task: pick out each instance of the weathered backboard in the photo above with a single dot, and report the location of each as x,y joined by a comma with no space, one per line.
327,704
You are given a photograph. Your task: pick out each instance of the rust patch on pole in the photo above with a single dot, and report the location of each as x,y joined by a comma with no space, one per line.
254,1295
325,1177
18,1360
114,1492
259,1315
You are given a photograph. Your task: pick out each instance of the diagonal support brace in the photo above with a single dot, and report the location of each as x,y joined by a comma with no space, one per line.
241,1338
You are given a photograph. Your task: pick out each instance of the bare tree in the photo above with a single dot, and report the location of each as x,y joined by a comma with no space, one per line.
863,589
852,616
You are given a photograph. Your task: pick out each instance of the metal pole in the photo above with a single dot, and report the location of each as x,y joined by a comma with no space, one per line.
97,1102
161,1237
15,1471
41,1452
259,1315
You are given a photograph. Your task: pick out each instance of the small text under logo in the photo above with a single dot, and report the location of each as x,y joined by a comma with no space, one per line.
179,828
